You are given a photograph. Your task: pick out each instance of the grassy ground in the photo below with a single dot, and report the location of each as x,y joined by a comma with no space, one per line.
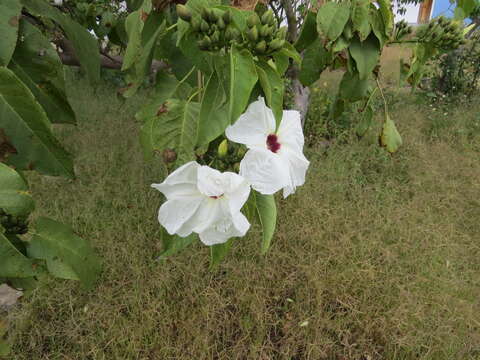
376,257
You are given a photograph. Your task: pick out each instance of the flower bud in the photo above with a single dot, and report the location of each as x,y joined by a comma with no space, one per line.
253,34
204,13
267,18
264,31
221,24
227,17
215,37
253,20
204,27
195,23
212,16
282,33
261,47
183,13
276,44
223,148
236,167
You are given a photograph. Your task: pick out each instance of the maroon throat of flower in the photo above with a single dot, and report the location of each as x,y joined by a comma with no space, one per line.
272,143
216,196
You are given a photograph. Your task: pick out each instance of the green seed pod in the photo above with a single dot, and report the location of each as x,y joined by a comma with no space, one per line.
261,47
221,24
252,34
281,33
203,45
212,16
204,27
441,20
228,34
207,40
183,13
215,37
253,20
222,150
204,13
195,23
227,17
276,44
235,33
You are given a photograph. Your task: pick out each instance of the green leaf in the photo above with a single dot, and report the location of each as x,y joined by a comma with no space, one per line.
291,52
315,60
309,33
377,24
67,255
26,125
360,18
56,107
352,88
213,111
243,77
273,88
267,214
5,348
366,55
14,196
9,18
390,137
85,45
467,6
365,122
13,264
281,61
218,253
174,127
340,44
174,243
385,7
332,18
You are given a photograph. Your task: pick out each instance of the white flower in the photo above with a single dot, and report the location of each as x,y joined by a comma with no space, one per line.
58,2
275,159
204,201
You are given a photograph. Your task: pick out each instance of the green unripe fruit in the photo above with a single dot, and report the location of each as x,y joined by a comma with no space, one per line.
227,17
215,37
276,44
252,34
203,45
183,13
267,18
228,34
253,20
195,23
207,40
212,16
282,33
204,27
204,14
261,47
221,24
235,33
264,31
223,149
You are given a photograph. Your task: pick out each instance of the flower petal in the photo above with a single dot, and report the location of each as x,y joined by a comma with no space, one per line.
298,165
237,193
253,126
225,229
265,171
181,183
173,214
211,182
290,133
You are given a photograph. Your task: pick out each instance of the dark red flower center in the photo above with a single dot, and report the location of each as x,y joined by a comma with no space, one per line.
216,197
272,143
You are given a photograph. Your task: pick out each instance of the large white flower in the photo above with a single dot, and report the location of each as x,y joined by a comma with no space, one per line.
204,201
275,159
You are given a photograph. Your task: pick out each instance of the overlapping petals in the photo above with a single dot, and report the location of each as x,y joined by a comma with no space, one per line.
205,201
275,158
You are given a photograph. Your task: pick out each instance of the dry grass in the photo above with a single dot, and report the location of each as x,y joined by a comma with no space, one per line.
376,257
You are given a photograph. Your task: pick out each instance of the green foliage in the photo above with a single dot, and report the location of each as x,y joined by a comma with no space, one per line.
173,243
9,19
332,18
67,256
14,196
390,138
366,55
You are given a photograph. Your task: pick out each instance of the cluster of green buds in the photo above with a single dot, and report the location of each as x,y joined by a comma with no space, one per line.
13,224
213,27
263,36
402,29
443,33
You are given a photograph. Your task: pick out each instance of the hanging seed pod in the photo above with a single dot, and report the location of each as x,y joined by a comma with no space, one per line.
253,20
261,47
276,44
252,34
183,13
267,17
227,17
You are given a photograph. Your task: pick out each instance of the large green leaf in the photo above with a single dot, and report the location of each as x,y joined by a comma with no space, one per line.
366,55
378,25
360,18
14,196
390,137
26,125
213,111
332,18
218,253
273,88
315,60
174,243
9,18
85,45
385,7
352,88
309,33
267,214
13,264
243,77
173,127
67,255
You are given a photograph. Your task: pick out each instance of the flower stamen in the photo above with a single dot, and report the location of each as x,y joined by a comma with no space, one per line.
272,143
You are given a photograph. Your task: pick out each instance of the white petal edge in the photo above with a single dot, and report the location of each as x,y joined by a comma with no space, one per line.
180,183
227,228
253,126
173,214
290,132
298,165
